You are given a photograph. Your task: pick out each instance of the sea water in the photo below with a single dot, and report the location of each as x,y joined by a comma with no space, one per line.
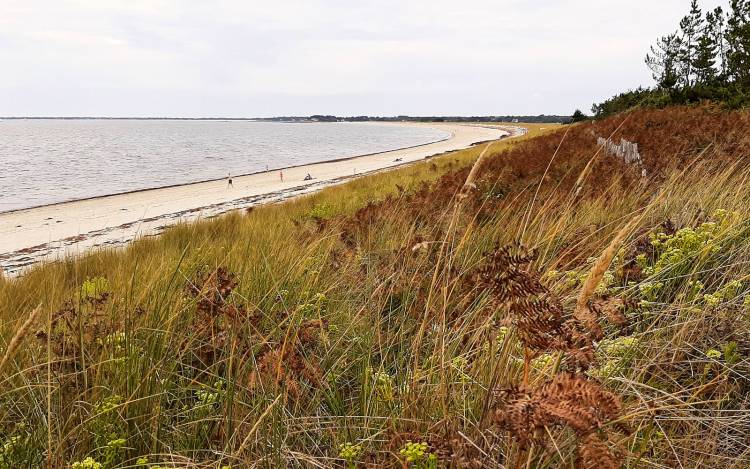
47,161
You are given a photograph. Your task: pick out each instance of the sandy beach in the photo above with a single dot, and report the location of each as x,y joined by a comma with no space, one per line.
47,233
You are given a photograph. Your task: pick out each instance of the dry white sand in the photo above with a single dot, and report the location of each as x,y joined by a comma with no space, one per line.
45,233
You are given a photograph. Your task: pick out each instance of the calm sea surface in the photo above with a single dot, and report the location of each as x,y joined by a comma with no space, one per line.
50,161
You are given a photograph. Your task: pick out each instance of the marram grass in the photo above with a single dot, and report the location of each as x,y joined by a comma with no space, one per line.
368,325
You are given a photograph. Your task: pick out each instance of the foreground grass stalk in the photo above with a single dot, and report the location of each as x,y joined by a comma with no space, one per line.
602,263
19,336
255,427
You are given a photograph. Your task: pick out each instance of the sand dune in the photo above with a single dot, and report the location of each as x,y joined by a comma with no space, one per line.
44,233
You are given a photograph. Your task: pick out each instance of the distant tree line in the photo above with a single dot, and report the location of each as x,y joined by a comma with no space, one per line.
706,58
540,119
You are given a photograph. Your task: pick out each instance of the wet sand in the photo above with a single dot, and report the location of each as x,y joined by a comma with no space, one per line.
47,233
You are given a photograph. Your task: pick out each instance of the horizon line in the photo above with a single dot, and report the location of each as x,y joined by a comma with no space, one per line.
406,116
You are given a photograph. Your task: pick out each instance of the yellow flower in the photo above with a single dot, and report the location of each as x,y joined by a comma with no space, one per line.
713,353
88,463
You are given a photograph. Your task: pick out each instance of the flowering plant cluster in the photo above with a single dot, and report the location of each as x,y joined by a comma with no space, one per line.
417,456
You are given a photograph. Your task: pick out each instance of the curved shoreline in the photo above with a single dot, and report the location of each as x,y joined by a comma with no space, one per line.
50,232
203,181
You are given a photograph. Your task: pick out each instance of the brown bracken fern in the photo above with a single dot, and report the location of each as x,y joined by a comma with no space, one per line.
570,399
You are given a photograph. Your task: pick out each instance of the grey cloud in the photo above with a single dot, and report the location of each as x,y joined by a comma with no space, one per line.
251,58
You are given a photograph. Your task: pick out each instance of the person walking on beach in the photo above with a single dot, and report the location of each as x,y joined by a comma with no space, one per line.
229,181
281,176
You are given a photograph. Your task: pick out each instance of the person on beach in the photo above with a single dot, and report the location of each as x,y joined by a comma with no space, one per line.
229,181
308,177
281,176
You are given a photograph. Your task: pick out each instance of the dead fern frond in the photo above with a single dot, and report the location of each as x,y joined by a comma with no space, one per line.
514,287
566,401
593,453
286,366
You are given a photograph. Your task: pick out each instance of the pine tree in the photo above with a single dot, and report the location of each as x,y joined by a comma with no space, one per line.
738,43
707,49
716,23
578,116
663,60
690,27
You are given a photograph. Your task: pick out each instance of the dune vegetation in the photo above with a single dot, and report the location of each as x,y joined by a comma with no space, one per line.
554,302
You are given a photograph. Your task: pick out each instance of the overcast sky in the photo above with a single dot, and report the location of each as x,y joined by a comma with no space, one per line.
246,58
